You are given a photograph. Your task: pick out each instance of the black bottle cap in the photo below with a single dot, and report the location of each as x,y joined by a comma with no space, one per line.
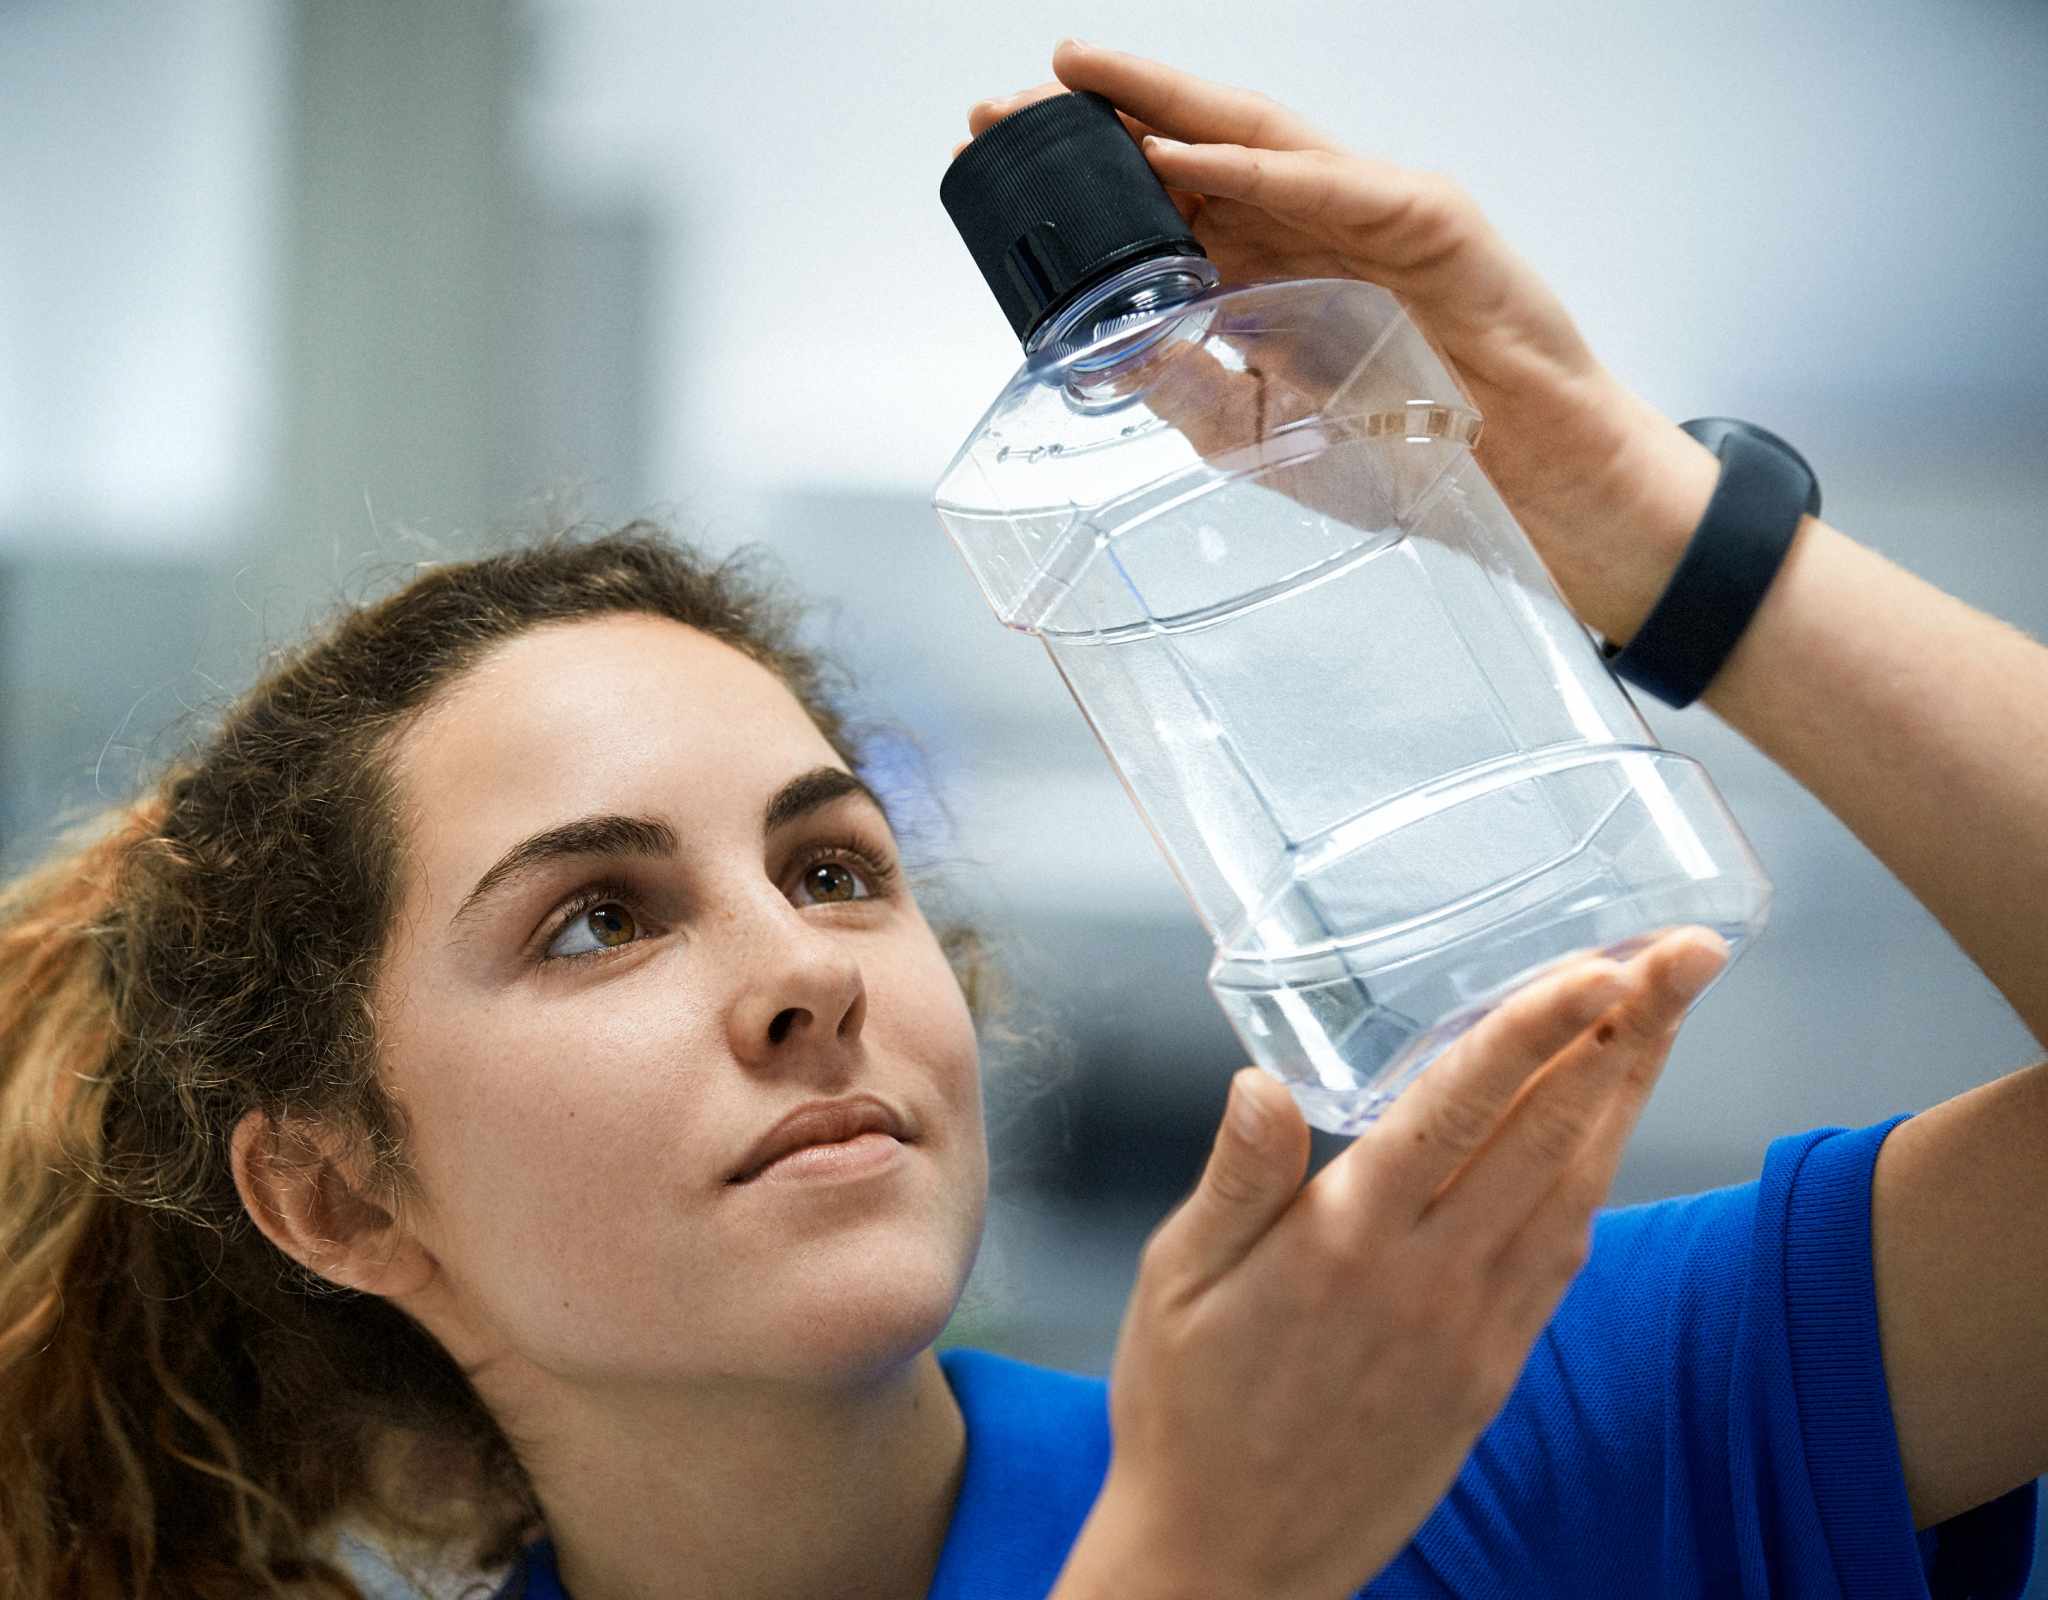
1054,198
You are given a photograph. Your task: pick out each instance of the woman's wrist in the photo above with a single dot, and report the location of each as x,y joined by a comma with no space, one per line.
1127,1552
1659,491
1118,1556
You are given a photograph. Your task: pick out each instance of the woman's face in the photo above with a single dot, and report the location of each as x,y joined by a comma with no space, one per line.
588,1047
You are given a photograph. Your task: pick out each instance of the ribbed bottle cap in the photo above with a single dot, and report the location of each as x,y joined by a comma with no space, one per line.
1054,198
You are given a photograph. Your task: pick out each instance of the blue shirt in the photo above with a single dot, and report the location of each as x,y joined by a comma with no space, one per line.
1706,1415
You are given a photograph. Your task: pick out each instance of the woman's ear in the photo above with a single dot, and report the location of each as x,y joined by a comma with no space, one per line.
298,1188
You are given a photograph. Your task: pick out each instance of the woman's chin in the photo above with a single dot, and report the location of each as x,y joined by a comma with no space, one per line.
864,1319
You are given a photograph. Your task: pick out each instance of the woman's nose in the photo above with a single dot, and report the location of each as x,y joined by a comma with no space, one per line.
802,993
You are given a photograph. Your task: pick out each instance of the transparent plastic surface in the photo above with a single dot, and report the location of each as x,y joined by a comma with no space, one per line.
1385,761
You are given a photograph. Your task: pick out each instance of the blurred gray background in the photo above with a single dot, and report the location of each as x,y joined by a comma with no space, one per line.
292,295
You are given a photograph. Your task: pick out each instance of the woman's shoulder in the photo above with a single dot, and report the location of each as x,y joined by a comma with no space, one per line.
989,1384
1706,1414
1037,1452
1028,1422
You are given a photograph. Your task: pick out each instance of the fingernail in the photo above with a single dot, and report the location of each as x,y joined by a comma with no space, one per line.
1700,965
1246,1114
1070,39
1154,142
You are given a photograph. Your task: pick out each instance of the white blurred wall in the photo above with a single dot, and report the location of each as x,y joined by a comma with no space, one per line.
1748,206
139,258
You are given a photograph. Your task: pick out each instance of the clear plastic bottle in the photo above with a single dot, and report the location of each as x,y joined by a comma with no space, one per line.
1385,761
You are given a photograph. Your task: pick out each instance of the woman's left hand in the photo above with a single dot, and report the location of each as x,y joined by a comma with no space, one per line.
1606,488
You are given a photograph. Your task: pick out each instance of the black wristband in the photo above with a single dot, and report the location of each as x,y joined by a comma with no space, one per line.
1765,488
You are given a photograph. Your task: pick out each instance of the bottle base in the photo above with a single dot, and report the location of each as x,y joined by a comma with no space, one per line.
1348,1021
1403,1050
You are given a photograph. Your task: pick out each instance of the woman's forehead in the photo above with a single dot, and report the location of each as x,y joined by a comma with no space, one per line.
619,713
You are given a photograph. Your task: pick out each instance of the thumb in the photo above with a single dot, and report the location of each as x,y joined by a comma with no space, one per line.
1254,1172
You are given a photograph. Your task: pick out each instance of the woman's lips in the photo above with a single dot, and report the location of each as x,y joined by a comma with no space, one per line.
859,1157
822,1124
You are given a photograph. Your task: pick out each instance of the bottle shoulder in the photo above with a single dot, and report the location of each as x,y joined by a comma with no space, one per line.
1307,361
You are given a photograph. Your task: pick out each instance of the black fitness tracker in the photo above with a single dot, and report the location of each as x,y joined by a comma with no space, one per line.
1765,488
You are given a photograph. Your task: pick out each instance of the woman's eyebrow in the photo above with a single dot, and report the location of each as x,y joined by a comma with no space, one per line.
612,834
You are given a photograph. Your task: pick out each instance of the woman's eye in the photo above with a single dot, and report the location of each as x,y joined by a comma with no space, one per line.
609,923
834,881
605,921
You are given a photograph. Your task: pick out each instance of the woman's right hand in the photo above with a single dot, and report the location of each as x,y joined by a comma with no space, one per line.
1303,1369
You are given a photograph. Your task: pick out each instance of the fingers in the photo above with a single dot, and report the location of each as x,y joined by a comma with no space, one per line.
1179,104
1533,1269
985,114
1298,186
1556,1152
1416,231
1458,1102
1253,1174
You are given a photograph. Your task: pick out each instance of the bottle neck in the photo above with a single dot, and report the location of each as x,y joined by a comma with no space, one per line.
1133,296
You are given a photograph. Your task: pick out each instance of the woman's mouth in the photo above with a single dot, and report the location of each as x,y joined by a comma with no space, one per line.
858,1157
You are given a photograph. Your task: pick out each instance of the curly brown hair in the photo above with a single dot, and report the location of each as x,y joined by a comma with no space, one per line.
183,1410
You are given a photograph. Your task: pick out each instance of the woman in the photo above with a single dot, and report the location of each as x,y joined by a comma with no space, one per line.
500,1091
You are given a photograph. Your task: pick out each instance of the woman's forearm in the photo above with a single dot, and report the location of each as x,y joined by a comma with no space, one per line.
1919,721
